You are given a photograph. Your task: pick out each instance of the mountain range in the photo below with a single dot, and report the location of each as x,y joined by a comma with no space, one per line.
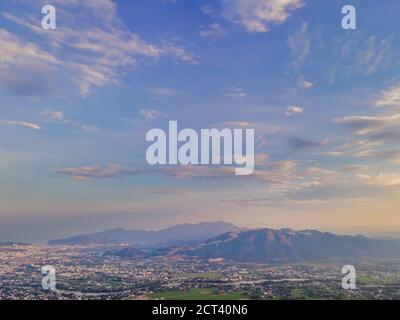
284,245
184,234
13,243
290,245
208,240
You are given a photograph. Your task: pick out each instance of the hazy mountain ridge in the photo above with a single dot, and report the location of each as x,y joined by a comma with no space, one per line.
130,252
290,245
224,240
184,234
284,245
13,243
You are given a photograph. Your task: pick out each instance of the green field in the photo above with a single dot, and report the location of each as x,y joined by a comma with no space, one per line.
388,280
199,294
299,294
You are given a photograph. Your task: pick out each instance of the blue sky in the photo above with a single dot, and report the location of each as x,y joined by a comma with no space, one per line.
77,102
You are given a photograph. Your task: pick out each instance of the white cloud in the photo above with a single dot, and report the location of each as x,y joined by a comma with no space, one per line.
333,153
355,53
260,127
375,54
88,128
389,97
166,191
206,9
236,93
24,66
162,92
368,124
356,169
258,15
104,10
29,125
151,115
99,50
52,115
276,173
14,51
88,172
59,117
391,155
383,179
114,49
300,46
213,30
305,84
293,110
358,145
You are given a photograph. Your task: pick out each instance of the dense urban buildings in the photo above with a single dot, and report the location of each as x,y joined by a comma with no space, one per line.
84,272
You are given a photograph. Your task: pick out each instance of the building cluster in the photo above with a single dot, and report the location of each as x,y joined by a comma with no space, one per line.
85,273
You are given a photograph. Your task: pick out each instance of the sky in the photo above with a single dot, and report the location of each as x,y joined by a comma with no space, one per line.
76,103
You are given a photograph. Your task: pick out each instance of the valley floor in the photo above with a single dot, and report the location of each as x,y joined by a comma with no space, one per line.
83,273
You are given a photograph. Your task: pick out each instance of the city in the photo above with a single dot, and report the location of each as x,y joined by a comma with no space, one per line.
231,150
84,273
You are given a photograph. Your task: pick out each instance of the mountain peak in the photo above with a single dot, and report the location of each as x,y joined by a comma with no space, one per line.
183,234
288,245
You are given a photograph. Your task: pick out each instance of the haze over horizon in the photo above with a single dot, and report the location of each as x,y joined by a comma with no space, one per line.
366,231
76,104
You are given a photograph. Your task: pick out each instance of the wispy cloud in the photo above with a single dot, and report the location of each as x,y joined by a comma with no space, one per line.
259,15
151,115
206,9
24,66
236,93
164,92
306,84
29,125
300,46
212,30
260,127
59,117
293,110
166,191
356,53
368,124
89,172
356,168
391,155
88,128
276,173
328,186
54,115
375,54
387,180
362,144
263,130
297,144
389,97
99,51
